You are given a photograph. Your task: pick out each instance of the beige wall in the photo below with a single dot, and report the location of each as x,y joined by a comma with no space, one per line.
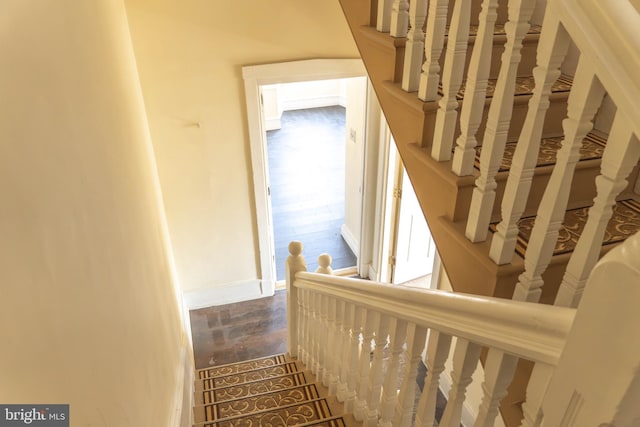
189,55
88,308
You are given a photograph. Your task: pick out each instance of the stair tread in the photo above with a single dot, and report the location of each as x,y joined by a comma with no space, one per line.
593,146
524,86
246,405
252,388
310,411
624,222
249,376
244,366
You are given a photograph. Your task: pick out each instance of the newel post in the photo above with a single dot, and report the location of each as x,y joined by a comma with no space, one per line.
295,262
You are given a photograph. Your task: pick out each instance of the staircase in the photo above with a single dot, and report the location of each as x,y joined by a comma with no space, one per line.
270,391
518,126
519,137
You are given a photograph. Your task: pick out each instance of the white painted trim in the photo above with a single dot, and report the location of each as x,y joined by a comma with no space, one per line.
370,194
285,72
317,102
348,237
181,416
273,124
223,294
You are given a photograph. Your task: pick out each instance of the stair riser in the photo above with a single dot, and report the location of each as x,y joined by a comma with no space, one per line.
527,62
582,192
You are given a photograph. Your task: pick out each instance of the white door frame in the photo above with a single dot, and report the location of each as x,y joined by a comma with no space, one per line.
254,77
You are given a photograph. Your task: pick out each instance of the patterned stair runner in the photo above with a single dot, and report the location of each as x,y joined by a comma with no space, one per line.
270,391
624,222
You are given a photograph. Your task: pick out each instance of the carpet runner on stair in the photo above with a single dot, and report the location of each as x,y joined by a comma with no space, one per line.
270,391
624,222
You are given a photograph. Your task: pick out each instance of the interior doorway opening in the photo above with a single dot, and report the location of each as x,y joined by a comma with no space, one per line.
315,168
258,78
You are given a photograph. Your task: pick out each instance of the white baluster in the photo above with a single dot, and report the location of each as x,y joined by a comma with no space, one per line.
383,21
437,353
498,121
372,319
375,374
354,360
446,117
345,356
330,378
322,374
390,388
620,156
536,389
414,47
552,48
328,323
338,346
304,335
465,362
436,24
317,333
475,90
416,338
399,18
498,373
295,262
584,100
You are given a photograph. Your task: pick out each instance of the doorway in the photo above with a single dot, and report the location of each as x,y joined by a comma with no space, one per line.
405,248
256,77
307,171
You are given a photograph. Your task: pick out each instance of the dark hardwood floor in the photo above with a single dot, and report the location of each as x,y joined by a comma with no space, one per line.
307,175
241,331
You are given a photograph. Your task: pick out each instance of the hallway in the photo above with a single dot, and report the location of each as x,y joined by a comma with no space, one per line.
306,168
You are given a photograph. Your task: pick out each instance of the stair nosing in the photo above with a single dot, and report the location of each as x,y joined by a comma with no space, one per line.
203,423
197,405
243,361
248,382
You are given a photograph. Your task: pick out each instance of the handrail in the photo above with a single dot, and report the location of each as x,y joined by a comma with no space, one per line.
607,33
532,331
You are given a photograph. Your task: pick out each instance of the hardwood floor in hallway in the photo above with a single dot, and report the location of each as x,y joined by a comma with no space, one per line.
307,176
240,331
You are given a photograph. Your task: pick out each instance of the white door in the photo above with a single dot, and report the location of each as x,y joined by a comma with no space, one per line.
414,248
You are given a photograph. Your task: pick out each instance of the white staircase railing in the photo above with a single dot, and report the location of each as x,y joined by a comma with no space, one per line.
377,316
368,337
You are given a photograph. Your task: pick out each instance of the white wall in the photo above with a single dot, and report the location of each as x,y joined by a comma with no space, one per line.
190,56
89,312
281,97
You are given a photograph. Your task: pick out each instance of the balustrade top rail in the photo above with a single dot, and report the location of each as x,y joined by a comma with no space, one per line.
532,331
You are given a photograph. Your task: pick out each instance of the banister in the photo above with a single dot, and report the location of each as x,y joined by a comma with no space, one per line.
607,33
532,331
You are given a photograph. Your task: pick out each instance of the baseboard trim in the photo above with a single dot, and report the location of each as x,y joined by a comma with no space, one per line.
311,102
181,416
273,124
348,237
223,294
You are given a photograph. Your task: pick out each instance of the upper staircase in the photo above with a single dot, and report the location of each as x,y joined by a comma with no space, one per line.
479,128
517,122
